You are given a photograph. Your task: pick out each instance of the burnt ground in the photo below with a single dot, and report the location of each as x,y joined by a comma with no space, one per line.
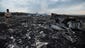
39,32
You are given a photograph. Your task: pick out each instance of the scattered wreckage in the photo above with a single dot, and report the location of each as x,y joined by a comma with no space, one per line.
36,32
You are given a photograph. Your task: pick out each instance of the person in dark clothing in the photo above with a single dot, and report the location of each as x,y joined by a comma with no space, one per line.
8,16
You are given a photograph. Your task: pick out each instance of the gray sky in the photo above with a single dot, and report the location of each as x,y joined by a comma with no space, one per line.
44,6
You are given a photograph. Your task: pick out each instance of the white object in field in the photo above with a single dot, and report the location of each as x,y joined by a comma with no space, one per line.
56,27
40,44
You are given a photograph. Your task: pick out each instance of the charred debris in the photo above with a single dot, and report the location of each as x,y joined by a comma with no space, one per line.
41,31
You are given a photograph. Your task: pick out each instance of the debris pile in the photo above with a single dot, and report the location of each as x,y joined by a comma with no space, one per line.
41,32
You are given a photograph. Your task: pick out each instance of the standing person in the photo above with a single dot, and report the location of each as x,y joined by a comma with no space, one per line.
8,16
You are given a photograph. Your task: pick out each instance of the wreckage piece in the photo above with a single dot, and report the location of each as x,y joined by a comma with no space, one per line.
56,27
41,44
70,35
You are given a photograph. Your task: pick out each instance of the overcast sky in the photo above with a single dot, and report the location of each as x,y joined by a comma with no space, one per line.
44,6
